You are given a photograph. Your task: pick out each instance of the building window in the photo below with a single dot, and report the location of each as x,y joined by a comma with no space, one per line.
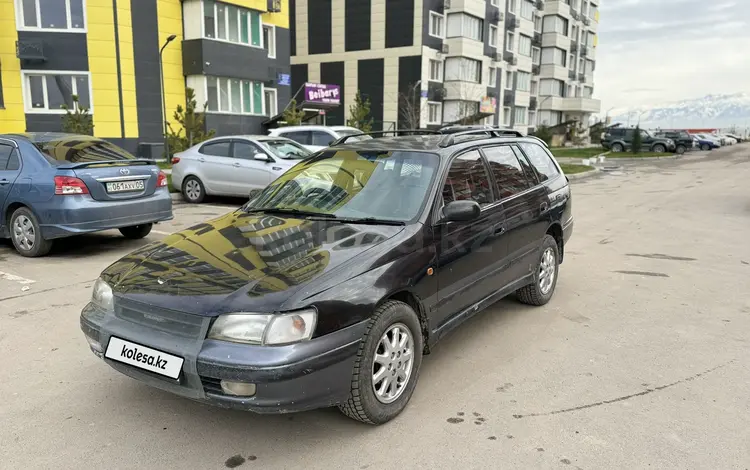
463,69
493,77
269,40
436,25
234,96
524,45
527,9
536,55
506,116
510,45
588,92
494,3
463,25
434,113
571,61
555,56
552,87
534,87
436,70
538,24
523,81
270,102
233,24
555,24
51,15
521,116
581,62
508,80
512,5
493,36
532,118
48,92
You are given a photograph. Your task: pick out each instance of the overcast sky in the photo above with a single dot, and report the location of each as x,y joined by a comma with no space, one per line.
656,51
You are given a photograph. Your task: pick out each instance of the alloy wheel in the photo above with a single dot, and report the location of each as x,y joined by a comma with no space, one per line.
393,363
547,271
192,190
24,233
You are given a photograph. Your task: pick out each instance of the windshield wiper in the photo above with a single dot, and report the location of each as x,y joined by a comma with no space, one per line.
369,221
273,210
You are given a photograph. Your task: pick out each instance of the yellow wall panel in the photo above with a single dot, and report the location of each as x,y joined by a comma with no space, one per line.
169,14
100,18
280,19
127,68
261,5
12,117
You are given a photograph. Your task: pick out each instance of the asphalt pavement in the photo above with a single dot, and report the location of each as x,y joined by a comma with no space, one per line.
641,359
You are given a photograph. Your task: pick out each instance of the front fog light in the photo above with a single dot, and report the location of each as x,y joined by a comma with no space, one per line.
238,389
95,346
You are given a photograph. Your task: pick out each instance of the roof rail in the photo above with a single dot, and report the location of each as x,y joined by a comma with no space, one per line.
450,139
343,139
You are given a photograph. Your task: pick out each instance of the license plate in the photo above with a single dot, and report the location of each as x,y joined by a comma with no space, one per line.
144,357
122,186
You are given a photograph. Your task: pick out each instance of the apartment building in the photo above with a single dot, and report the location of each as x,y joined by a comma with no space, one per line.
233,53
567,61
488,61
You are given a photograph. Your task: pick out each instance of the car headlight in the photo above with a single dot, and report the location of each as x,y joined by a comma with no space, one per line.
265,329
102,295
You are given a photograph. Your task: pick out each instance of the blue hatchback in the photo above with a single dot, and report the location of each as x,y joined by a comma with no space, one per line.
55,185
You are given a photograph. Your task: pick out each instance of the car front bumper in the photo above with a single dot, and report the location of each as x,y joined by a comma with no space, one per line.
297,377
73,215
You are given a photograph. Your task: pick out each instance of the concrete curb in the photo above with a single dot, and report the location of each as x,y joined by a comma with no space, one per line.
584,175
643,159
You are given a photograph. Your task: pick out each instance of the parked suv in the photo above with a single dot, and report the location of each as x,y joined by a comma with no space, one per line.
682,139
621,139
354,263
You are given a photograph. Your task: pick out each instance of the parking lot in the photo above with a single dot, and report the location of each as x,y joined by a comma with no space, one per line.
639,361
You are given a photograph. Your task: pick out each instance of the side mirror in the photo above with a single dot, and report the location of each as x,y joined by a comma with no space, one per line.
261,157
461,211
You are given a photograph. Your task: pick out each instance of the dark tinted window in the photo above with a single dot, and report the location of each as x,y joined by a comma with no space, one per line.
245,150
216,149
5,151
301,137
321,138
61,148
507,170
468,180
540,160
14,162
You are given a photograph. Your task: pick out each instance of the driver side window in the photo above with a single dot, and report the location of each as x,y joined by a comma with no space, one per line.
468,180
245,150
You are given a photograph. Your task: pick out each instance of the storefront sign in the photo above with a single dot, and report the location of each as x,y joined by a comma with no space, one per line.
322,93
285,79
488,105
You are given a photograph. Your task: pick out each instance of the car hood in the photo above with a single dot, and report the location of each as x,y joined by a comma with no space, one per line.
242,262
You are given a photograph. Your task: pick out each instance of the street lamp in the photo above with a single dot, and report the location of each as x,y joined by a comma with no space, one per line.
163,98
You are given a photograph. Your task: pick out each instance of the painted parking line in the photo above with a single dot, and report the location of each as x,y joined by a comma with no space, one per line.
14,278
159,232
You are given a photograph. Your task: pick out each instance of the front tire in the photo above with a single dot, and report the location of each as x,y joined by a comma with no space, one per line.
617,148
705,147
387,366
136,232
26,234
540,291
659,148
193,190
681,149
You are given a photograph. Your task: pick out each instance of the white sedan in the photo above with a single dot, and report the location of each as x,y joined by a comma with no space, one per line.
316,138
233,165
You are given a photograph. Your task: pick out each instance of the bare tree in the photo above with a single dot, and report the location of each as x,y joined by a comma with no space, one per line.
469,95
410,105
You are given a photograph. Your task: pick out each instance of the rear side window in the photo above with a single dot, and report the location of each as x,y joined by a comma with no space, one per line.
507,170
5,151
540,160
301,137
322,139
216,149
468,180
14,162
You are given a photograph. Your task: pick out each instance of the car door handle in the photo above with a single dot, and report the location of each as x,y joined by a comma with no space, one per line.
4,182
236,165
201,160
499,230
544,207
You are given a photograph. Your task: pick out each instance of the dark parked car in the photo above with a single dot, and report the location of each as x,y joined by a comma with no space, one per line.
682,139
328,287
56,185
621,139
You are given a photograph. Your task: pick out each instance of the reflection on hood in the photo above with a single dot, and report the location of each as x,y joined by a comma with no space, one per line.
265,254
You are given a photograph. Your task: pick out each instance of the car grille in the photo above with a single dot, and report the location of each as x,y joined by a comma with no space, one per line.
169,321
211,385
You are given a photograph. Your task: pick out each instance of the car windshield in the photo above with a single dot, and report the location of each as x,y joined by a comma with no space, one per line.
379,185
346,132
287,149
65,148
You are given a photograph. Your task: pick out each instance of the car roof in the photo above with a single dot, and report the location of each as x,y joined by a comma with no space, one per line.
428,143
313,128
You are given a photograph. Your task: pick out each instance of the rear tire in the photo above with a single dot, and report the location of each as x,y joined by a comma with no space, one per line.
193,190
363,404
26,234
705,147
540,291
136,232
659,148
617,148
681,149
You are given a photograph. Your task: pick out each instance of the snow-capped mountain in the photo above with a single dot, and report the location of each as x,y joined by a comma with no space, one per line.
711,111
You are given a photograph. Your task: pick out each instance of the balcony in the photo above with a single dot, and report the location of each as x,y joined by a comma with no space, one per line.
580,105
557,7
572,75
533,103
510,58
536,69
462,46
537,39
472,7
224,59
30,49
509,98
512,22
555,40
554,71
